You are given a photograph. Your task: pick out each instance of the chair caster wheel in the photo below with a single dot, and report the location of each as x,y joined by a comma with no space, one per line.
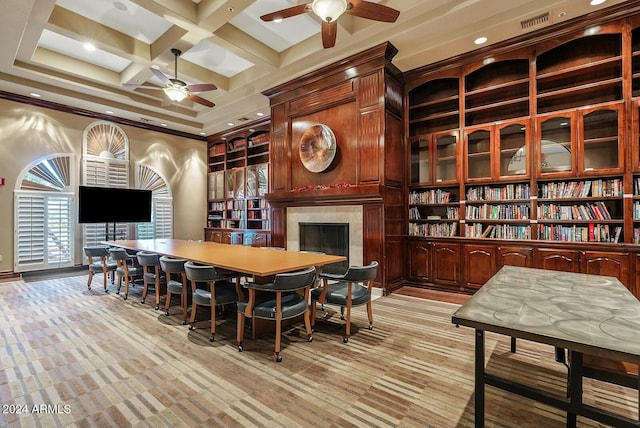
211,338
342,317
157,307
345,339
167,313
125,297
142,301
89,287
278,358
106,291
310,338
240,348
191,327
184,322
370,327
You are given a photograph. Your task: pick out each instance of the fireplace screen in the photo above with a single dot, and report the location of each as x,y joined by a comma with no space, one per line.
328,238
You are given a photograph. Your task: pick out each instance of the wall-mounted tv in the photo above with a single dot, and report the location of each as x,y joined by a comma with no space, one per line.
112,205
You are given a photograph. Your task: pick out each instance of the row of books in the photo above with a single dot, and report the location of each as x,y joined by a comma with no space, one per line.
435,196
636,210
498,212
499,231
590,211
577,233
508,191
433,229
258,214
451,213
216,206
581,189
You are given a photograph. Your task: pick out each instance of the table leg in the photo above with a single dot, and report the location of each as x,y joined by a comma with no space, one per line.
479,374
575,387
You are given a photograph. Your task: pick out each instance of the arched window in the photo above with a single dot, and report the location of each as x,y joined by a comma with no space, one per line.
44,215
105,163
161,225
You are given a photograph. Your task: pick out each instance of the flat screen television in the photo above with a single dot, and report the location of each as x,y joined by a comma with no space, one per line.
112,205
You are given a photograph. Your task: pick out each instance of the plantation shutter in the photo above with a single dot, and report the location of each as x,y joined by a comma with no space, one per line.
161,225
105,163
43,213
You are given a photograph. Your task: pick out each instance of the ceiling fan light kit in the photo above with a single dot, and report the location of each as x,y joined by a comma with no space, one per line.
329,10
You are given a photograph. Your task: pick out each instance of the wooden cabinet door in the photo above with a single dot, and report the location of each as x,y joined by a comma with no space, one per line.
479,264
419,260
557,259
607,264
446,263
515,256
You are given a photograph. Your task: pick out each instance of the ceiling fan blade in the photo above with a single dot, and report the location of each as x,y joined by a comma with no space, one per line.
200,100
160,75
202,87
329,33
287,13
377,12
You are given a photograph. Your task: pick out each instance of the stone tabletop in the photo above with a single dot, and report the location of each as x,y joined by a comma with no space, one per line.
588,313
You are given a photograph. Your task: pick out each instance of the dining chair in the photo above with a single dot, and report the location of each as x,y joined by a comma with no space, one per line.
126,269
179,285
99,262
152,274
285,298
353,288
219,290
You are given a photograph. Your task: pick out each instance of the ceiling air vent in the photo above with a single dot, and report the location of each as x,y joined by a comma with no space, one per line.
536,21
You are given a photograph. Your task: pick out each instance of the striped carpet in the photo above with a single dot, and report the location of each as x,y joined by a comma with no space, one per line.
78,358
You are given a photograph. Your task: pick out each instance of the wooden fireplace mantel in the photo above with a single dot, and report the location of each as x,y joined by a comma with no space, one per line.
354,195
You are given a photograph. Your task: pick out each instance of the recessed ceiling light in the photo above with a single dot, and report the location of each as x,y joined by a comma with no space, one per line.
277,20
203,133
597,2
163,124
230,124
119,5
155,67
108,112
33,94
480,40
260,114
89,47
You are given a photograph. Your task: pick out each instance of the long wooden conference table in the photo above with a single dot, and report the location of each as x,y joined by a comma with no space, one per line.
255,261
585,314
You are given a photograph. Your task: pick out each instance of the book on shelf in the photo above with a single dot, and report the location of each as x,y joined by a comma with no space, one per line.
616,235
433,217
487,231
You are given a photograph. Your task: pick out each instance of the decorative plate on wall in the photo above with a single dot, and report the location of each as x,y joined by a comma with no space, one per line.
317,148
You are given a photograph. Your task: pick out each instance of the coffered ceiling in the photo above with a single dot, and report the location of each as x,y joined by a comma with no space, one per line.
224,42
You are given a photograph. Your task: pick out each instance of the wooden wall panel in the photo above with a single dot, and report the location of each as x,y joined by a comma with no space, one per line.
373,239
279,155
394,159
314,101
278,227
340,119
369,146
369,90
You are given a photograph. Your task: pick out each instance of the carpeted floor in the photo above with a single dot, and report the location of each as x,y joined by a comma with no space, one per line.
80,358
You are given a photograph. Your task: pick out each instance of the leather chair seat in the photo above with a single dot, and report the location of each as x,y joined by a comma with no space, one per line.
293,304
131,270
174,286
96,267
150,277
337,294
225,294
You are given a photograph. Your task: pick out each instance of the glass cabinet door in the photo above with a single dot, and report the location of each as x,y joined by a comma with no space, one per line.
446,146
512,149
420,161
262,172
252,182
479,154
229,183
239,190
600,140
556,145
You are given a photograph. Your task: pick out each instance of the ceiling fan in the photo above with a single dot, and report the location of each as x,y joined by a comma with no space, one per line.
176,89
330,10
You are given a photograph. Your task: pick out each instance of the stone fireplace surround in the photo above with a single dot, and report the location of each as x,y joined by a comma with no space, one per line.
351,214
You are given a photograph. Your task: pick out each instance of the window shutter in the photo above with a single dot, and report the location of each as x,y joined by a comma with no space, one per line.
161,225
29,232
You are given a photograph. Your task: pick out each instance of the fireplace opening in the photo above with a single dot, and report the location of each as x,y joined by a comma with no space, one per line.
328,238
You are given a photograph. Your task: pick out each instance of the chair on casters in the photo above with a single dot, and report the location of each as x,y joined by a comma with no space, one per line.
351,289
291,300
152,274
219,291
179,286
99,262
125,269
